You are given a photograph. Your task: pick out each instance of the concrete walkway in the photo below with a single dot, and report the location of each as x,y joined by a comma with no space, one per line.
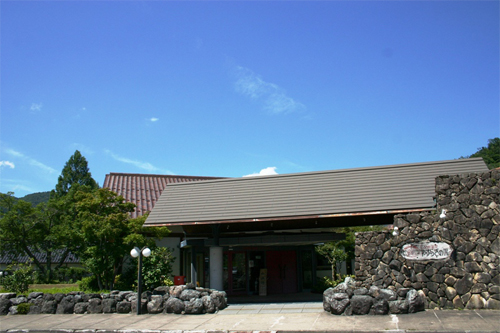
284,317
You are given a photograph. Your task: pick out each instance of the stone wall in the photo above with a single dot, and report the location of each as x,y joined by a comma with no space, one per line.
469,277
184,299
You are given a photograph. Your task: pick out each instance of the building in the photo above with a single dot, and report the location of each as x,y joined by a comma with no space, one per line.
144,190
245,235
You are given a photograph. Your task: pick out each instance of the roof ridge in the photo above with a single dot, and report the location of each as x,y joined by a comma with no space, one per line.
158,175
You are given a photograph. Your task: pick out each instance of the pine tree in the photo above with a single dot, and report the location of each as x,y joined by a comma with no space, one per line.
76,171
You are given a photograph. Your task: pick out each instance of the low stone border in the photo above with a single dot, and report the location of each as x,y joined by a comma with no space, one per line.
183,299
348,299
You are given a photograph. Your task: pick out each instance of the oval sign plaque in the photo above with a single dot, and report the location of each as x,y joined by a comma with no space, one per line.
426,251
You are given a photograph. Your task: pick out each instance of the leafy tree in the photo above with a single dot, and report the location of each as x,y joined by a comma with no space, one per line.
342,250
19,278
36,232
490,154
37,198
108,233
75,171
157,268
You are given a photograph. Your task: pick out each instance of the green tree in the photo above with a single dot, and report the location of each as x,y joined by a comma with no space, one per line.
109,233
490,154
76,171
37,232
334,253
157,268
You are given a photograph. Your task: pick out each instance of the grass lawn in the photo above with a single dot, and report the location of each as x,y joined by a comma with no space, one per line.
51,288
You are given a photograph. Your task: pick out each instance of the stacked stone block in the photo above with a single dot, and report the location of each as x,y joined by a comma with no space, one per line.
471,225
184,299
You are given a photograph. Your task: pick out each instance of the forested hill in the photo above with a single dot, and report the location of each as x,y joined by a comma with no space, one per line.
36,198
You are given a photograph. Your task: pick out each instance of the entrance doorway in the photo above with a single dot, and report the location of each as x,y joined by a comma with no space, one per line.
235,272
281,272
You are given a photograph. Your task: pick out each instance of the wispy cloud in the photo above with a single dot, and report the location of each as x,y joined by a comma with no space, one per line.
274,98
31,161
35,107
138,164
7,164
154,119
264,172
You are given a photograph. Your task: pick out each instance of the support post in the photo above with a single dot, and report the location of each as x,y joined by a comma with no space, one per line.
216,269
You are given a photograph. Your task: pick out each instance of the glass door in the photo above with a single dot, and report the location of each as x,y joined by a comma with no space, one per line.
235,272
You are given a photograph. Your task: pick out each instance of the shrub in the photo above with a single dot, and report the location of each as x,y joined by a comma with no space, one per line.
157,268
88,283
24,308
19,279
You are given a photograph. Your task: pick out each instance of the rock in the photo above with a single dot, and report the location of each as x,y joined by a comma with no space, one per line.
155,305
66,305
380,307
337,303
34,295
361,304
194,306
472,267
163,290
4,305
35,309
189,294
360,291
387,294
81,308
415,301
123,307
374,291
398,307
463,285
208,304
450,293
482,278
7,295
144,306
49,307
95,305
343,288
175,291
13,310
18,300
109,305
475,302
174,305
48,297
124,294
492,304
219,299
190,285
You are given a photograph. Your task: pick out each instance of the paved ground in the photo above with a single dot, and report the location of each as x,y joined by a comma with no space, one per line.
284,317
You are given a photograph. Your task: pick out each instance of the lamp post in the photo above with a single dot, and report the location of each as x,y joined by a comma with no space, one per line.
136,252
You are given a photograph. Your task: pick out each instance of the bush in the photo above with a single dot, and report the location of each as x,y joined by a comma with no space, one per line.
19,279
88,283
70,274
24,308
157,268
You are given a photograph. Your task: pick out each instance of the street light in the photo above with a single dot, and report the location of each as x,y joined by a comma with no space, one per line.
136,252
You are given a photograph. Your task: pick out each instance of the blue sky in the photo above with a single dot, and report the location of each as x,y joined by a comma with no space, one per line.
236,88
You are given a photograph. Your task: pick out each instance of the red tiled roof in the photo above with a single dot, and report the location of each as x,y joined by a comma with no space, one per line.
143,189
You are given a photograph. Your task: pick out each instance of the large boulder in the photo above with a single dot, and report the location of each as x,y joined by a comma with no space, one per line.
194,306
208,304
219,299
415,301
361,304
155,305
49,307
189,294
4,305
81,307
380,307
398,307
109,305
338,303
174,305
123,307
95,305
66,306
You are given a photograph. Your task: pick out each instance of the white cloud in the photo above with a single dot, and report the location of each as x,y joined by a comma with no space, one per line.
274,98
35,107
82,148
264,172
153,119
31,161
7,163
141,165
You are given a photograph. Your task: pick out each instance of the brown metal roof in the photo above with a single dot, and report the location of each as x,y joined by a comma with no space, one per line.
143,189
320,194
